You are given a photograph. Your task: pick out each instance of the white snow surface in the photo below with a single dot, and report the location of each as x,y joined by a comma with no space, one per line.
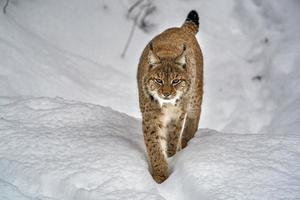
51,148
72,49
69,117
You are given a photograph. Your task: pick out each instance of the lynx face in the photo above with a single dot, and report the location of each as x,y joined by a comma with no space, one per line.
167,82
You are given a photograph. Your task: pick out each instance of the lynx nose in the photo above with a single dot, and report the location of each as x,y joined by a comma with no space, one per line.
167,94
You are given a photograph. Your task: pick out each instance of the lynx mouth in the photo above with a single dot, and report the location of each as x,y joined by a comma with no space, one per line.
166,100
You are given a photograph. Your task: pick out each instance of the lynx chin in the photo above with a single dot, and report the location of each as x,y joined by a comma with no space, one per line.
170,83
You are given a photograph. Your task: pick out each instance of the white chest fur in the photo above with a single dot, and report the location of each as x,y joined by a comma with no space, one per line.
169,113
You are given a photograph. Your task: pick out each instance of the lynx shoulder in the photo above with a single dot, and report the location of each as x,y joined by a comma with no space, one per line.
170,84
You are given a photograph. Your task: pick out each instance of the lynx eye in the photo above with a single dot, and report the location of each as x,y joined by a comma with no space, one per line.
158,81
176,81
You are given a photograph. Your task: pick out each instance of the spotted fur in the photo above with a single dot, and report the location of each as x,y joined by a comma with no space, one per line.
170,83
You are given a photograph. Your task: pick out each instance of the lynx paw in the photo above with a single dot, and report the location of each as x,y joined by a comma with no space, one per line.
160,175
184,143
171,153
159,178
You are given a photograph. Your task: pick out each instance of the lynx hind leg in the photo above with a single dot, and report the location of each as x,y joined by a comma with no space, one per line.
175,130
156,156
191,127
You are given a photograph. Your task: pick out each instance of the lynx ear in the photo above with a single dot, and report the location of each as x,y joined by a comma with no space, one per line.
181,59
152,58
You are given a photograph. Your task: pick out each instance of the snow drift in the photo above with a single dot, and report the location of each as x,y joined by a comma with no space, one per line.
51,148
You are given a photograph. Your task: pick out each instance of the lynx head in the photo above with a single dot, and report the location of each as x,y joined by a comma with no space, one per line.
167,79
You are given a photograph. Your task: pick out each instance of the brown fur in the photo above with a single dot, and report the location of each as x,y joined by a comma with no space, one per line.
172,55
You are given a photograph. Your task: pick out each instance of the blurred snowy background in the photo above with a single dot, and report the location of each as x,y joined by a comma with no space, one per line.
61,67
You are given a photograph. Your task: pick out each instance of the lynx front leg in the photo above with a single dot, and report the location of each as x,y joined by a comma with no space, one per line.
156,155
175,129
191,127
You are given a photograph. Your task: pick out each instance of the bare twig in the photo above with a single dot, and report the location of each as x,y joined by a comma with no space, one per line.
5,6
129,39
138,13
132,27
146,10
134,6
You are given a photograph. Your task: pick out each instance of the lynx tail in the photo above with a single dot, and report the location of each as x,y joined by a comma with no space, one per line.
192,22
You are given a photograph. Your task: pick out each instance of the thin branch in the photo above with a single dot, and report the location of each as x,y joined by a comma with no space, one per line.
133,26
5,6
134,5
129,39
138,19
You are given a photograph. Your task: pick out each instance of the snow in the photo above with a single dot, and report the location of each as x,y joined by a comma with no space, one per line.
69,120
51,148
73,47
287,119
32,66
57,149
231,166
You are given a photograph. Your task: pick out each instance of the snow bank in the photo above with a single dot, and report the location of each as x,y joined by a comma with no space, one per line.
235,166
51,148
59,149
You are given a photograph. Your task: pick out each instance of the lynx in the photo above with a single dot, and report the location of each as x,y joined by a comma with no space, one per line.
170,83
